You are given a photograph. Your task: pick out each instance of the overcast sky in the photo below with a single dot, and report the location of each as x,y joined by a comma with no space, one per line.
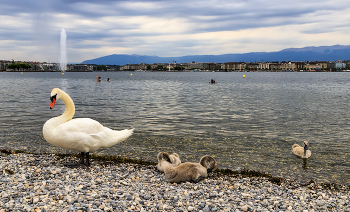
30,29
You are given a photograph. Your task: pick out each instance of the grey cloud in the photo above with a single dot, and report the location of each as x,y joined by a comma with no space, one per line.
44,24
229,15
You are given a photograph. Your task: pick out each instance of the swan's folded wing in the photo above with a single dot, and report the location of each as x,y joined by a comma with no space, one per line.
81,134
89,135
87,125
298,151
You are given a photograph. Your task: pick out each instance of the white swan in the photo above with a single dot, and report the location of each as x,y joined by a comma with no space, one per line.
82,134
302,152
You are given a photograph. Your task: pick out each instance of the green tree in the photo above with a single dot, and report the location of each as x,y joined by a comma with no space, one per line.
19,65
102,68
159,68
179,68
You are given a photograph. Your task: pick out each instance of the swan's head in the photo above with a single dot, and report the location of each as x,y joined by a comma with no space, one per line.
306,145
55,95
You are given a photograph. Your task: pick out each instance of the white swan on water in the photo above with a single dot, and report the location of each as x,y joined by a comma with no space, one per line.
81,134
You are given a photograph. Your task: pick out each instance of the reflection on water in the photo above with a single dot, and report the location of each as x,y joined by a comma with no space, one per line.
249,122
305,164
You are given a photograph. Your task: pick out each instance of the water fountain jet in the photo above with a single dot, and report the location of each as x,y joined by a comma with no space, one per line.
63,59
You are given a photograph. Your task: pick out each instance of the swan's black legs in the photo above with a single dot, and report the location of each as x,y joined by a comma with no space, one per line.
82,158
83,161
87,159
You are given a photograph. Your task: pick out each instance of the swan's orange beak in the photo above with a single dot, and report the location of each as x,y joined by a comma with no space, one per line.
53,100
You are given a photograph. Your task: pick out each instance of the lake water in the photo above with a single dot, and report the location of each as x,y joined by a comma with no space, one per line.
249,122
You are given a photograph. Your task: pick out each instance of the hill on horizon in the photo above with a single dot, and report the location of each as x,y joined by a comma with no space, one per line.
312,53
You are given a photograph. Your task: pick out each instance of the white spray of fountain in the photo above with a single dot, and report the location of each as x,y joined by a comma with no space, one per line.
63,60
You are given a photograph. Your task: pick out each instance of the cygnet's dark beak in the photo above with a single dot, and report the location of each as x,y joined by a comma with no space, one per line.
306,147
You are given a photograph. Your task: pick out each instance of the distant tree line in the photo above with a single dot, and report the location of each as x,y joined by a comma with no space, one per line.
19,66
105,67
101,68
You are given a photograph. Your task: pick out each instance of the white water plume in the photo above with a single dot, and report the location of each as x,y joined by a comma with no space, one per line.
63,59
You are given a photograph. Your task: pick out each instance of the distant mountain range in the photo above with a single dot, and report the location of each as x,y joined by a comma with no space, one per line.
321,53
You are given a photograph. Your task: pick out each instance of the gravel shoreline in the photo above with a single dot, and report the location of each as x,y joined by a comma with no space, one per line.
30,182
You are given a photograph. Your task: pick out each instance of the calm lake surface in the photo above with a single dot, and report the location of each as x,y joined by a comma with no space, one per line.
247,122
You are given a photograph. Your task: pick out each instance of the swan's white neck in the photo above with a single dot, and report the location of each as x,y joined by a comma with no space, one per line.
67,115
70,108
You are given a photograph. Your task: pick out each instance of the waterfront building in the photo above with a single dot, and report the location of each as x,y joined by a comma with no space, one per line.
195,65
287,66
337,65
299,65
316,66
252,66
264,66
235,66
275,66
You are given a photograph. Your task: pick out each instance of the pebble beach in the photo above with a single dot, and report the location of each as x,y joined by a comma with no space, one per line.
42,182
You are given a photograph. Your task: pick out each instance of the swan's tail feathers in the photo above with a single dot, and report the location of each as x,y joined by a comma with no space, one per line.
118,136
209,163
124,134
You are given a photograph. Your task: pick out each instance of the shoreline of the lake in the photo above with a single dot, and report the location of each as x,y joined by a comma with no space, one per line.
34,182
243,171
111,159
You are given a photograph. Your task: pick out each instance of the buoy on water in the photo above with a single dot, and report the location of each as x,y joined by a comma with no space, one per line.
243,76
21,72
62,73
130,74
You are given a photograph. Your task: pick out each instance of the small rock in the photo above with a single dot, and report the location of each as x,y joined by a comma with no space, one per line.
206,209
319,203
244,208
35,199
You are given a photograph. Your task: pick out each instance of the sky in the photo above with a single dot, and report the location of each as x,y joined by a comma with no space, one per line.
30,29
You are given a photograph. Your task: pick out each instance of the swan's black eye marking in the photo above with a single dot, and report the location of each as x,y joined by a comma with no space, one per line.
53,97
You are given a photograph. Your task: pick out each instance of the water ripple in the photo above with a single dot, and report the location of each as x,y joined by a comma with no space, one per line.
250,122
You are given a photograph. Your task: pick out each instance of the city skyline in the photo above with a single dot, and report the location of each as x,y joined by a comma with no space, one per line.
30,30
